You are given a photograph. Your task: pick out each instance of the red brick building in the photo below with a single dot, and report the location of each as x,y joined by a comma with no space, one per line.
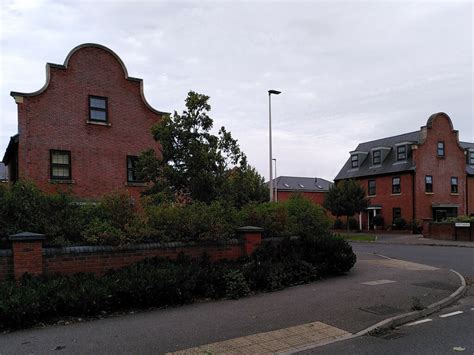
83,130
312,188
421,175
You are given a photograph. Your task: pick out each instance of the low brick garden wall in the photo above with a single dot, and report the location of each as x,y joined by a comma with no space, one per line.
448,231
27,255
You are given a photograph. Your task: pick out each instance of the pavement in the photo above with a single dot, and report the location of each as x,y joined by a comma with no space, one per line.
418,239
303,317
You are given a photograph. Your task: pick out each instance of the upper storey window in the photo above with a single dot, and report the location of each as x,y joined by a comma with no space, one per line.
376,157
98,109
401,153
60,163
354,160
471,157
440,149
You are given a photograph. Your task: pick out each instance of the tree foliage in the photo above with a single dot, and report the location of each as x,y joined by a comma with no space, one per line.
346,198
195,163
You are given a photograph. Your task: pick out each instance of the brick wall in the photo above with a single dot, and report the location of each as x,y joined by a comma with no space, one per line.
446,231
24,256
387,200
98,260
439,128
56,119
470,195
316,197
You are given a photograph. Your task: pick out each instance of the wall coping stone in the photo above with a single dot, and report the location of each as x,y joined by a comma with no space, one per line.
249,229
26,237
132,247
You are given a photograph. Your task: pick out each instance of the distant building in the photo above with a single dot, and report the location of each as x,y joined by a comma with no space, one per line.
312,187
3,173
84,129
422,175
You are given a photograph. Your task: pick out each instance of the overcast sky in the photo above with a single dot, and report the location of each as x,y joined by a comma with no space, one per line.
349,72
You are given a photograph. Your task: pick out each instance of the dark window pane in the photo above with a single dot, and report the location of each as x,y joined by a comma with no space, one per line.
98,115
97,103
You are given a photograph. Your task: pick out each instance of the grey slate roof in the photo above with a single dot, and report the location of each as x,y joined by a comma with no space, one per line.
3,172
302,184
390,164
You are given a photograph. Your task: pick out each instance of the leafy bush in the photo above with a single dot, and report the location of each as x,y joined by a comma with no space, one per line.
298,216
399,223
378,220
103,233
196,221
353,224
339,224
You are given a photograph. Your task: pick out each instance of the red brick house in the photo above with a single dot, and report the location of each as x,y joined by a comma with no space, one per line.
83,130
421,175
312,188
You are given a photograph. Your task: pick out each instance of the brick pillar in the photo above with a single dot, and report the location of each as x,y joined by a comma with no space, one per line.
252,237
425,229
27,251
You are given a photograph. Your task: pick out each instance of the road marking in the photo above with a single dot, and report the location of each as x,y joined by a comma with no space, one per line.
451,314
401,264
377,282
419,322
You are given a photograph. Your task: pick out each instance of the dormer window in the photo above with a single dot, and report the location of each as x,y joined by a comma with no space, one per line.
354,160
98,109
376,157
401,153
440,149
471,157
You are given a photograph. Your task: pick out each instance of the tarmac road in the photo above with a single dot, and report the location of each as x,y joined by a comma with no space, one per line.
438,335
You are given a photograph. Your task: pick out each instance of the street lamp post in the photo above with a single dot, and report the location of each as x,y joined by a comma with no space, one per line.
270,92
276,181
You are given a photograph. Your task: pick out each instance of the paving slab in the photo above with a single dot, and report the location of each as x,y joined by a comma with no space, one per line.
297,316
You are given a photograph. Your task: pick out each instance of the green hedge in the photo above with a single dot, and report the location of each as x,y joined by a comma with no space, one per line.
114,220
160,282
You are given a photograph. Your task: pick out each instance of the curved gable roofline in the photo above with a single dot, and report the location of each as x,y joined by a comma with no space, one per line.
429,124
431,119
65,66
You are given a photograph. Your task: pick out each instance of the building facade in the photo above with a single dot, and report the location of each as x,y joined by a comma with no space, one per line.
84,129
422,175
312,188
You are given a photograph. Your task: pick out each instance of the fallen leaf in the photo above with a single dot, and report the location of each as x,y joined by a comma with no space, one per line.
459,348
59,347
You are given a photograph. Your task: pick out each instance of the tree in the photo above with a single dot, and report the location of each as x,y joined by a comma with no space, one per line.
194,163
345,199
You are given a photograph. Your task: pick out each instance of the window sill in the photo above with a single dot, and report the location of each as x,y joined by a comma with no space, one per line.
371,196
396,194
454,193
59,181
441,156
107,124
136,184
429,193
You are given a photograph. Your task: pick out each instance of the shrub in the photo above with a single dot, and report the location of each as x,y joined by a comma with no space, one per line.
339,224
273,217
307,219
101,232
399,223
353,224
378,221
196,221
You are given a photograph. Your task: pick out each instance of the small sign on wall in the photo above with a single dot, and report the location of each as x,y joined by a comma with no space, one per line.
462,224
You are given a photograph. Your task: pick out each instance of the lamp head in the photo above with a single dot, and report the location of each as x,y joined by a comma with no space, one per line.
276,92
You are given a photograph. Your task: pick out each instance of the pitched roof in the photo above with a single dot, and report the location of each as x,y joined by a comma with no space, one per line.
302,184
390,164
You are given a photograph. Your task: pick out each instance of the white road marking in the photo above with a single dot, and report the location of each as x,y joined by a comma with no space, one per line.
419,322
377,282
451,314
